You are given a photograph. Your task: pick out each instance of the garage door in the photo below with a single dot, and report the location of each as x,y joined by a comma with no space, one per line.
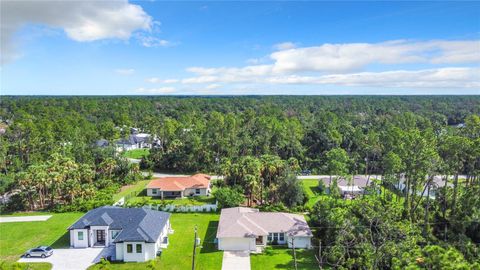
234,243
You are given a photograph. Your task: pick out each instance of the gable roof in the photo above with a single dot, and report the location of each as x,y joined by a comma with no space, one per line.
136,224
180,183
249,222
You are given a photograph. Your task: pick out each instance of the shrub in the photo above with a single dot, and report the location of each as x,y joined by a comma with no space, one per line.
229,197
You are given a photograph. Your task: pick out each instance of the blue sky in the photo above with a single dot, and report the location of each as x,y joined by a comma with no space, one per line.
183,48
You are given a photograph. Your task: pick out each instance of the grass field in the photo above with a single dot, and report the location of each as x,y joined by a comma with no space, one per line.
131,190
311,190
282,258
18,237
136,153
178,255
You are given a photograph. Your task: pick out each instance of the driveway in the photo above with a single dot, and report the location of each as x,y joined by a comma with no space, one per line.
24,218
74,258
236,260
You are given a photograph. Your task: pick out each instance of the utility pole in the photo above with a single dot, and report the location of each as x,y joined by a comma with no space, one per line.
294,253
194,248
320,253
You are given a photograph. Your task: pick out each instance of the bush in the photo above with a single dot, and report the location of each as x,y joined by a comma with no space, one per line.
229,197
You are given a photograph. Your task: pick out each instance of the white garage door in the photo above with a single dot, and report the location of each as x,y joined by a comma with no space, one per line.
234,243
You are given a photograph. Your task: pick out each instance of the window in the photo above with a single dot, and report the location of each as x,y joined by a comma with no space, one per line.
139,248
281,237
269,237
197,191
80,235
129,248
154,191
275,237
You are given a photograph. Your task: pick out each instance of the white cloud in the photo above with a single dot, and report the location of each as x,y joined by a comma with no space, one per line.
213,86
427,78
81,20
338,64
160,90
284,46
158,80
334,58
125,72
150,41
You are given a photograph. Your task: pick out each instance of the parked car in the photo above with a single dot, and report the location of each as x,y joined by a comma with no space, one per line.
41,251
306,172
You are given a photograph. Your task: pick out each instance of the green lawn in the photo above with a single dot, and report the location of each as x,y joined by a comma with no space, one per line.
132,190
311,190
178,255
17,237
136,153
282,258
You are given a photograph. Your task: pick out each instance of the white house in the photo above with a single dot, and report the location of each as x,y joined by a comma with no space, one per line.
138,234
172,187
248,229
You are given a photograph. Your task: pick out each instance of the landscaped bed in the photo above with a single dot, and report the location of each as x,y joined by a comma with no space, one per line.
282,258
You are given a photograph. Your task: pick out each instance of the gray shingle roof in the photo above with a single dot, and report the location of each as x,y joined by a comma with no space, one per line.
137,224
249,222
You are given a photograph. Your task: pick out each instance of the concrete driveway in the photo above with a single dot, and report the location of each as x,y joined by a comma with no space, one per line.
236,260
74,258
24,218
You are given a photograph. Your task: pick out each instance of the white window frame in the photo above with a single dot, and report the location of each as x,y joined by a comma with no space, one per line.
154,191
80,236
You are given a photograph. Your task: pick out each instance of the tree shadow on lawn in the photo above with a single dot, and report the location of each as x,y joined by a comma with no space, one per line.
63,241
208,242
315,190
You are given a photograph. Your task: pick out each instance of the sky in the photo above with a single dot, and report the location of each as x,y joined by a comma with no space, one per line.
120,47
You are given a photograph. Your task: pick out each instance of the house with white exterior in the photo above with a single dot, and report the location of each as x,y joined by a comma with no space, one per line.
354,186
248,229
138,234
179,187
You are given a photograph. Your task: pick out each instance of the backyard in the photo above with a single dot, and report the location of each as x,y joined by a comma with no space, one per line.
282,258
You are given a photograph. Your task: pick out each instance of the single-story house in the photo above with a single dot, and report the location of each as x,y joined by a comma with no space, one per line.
248,229
173,187
353,186
138,234
436,183
135,141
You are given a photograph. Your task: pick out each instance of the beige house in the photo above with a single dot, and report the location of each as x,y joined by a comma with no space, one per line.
248,229
179,187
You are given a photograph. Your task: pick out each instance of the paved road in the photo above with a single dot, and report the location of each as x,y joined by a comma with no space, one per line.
73,258
236,260
24,218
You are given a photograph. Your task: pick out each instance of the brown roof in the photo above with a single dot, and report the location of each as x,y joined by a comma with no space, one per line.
180,183
249,222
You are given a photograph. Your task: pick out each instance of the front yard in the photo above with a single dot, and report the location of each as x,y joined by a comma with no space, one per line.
18,237
282,258
136,153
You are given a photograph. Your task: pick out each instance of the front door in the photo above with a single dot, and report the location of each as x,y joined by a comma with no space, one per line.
259,240
101,237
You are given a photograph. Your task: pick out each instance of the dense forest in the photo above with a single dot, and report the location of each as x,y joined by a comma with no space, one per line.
260,144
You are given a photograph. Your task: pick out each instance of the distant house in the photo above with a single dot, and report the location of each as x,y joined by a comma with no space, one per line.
353,186
101,143
173,187
138,234
436,183
135,141
248,229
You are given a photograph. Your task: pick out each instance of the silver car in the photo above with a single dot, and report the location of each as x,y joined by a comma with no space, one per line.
41,251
